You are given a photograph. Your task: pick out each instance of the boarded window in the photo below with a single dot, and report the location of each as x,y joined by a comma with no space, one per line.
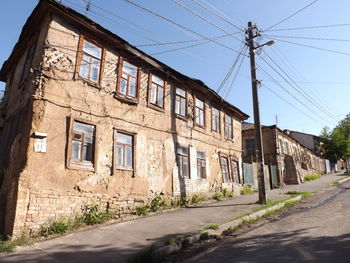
199,112
157,88
183,161
235,171
201,165
90,64
180,102
82,144
124,151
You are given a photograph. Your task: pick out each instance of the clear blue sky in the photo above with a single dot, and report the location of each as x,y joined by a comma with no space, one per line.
322,75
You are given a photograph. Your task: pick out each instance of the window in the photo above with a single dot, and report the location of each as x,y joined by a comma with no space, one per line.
124,151
127,79
199,111
82,144
215,119
225,169
249,147
157,87
28,63
183,161
201,164
235,171
228,127
180,102
90,61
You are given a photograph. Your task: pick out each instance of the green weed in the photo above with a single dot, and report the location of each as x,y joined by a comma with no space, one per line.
213,227
54,228
218,196
247,190
93,215
312,177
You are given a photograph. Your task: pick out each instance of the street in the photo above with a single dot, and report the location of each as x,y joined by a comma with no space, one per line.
317,230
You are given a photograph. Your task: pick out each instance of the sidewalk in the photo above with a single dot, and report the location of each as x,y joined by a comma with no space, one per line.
115,243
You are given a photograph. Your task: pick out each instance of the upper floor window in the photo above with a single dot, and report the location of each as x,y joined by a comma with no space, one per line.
215,119
124,151
183,161
82,144
180,102
201,165
28,63
228,127
199,111
157,88
249,147
127,79
90,64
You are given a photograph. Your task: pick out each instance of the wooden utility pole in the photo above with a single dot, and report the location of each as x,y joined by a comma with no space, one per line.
258,139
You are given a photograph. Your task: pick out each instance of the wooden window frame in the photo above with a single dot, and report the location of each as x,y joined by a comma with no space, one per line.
150,82
79,59
28,62
120,95
236,160
229,138
186,103
222,155
77,165
115,143
212,119
199,166
188,161
204,114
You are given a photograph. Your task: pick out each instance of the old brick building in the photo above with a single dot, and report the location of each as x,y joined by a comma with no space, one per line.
87,118
289,160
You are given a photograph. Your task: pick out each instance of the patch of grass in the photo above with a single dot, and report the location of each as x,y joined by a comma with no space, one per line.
157,204
93,215
142,210
218,196
8,245
59,227
312,177
213,227
227,193
248,190
296,193
196,199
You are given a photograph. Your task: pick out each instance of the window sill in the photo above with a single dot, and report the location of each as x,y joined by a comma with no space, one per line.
181,117
75,166
155,107
229,139
89,82
126,99
199,126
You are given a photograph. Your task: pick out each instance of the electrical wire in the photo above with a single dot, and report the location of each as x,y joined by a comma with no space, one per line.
308,27
299,89
310,38
291,94
309,46
217,15
178,25
292,15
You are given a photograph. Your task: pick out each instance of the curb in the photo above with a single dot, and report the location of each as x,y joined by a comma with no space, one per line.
344,180
177,246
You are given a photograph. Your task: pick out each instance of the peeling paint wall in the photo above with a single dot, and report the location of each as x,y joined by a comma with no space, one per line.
48,189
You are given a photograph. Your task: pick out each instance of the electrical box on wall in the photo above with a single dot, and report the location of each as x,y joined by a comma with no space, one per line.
40,142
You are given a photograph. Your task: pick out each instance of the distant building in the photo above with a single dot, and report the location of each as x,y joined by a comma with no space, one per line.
289,160
310,141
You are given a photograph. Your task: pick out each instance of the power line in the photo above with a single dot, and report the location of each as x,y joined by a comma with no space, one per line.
313,47
292,95
219,16
307,27
310,38
206,20
180,26
299,89
292,15
183,41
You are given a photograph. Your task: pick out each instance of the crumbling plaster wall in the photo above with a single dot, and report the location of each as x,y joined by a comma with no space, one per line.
50,190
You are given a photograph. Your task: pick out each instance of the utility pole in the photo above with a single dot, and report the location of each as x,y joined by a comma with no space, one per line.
259,153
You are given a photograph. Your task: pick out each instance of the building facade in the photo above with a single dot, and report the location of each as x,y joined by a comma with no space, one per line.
87,118
291,160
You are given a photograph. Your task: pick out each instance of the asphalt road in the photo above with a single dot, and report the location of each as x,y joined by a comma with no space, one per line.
316,230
